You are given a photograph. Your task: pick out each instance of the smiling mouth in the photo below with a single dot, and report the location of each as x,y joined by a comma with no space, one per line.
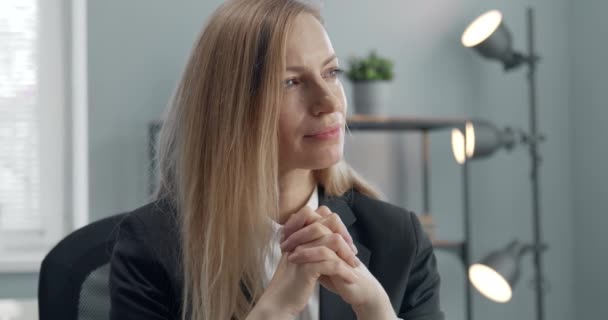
327,134
329,130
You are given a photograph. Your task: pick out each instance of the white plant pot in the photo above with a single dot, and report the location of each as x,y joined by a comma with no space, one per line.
371,97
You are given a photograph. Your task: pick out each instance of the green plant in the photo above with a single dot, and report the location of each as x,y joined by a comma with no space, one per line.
371,68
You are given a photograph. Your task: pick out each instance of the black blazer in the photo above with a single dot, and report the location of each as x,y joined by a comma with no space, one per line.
146,280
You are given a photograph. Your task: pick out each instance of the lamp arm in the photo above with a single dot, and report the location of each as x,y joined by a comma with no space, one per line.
528,138
509,137
517,59
532,248
530,59
514,60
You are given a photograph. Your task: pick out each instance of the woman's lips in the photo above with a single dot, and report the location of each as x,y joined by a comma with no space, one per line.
327,133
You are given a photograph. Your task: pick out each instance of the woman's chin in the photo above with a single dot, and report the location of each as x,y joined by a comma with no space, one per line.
326,160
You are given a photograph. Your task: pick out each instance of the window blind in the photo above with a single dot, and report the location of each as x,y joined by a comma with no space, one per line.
32,128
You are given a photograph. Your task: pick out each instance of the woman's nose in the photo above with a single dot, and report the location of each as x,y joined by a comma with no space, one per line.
325,101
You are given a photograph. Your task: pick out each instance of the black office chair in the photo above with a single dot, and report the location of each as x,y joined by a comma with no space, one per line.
74,275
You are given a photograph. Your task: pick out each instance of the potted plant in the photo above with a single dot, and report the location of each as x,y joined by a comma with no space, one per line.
371,78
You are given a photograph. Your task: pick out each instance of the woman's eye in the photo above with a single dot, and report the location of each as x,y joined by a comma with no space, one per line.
335,72
290,82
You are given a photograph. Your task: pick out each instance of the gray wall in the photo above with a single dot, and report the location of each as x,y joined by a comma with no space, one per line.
137,50
589,113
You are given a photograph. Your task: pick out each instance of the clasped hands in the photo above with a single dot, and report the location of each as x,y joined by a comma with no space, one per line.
316,246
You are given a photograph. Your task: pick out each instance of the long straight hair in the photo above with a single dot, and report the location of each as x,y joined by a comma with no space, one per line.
218,155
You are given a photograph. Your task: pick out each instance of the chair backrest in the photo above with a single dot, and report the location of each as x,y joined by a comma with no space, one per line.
74,275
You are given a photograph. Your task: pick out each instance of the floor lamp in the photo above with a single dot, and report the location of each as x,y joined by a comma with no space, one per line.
495,275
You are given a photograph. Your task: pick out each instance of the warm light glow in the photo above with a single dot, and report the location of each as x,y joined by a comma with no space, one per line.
490,283
458,143
481,28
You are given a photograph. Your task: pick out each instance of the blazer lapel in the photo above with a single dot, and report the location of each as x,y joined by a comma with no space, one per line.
331,305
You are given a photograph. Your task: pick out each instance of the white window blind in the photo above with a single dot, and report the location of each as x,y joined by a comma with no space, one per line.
32,130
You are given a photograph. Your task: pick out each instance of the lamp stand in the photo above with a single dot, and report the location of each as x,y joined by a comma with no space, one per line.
534,140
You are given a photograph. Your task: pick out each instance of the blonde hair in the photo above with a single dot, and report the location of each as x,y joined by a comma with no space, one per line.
218,155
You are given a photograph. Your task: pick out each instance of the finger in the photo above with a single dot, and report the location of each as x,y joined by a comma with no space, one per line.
334,242
311,254
330,267
324,211
298,220
304,217
339,226
307,234
335,224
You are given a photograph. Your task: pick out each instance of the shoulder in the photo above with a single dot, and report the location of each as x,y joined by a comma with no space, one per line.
144,272
158,218
365,204
155,228
149,237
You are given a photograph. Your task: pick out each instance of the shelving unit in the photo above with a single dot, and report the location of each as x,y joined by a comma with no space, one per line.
424,125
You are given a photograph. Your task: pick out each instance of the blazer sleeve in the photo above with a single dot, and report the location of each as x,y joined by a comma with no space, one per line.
421,299
139,285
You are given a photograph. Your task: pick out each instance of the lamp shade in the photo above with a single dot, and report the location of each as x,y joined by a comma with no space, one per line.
482,139
495,276
489,36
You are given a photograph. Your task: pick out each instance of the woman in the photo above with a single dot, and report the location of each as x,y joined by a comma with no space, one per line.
257,215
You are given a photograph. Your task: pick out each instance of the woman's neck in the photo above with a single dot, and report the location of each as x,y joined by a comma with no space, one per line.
295,188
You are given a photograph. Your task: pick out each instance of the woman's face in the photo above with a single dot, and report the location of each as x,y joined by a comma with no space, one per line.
312,116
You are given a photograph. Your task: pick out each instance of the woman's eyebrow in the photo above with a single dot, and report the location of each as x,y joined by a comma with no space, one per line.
299,68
